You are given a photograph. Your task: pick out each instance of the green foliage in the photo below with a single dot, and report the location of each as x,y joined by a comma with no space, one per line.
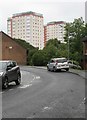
53,42
30,49
38,58
30,55
24,44
53,49
75,32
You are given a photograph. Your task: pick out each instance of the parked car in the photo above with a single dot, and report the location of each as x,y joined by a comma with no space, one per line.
9,72
57,64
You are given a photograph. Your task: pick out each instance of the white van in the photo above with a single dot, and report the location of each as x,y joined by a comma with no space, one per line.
57,64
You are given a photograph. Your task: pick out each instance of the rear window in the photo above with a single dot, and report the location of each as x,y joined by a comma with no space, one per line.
61,60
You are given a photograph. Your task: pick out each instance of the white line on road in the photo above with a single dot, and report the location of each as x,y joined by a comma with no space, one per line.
11,89
25,86
37,77
1,92
46,108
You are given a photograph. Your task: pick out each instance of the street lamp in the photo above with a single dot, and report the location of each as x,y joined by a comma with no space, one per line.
68,46
68,38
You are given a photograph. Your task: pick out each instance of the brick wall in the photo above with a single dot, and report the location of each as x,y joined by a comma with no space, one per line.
13,51
85,55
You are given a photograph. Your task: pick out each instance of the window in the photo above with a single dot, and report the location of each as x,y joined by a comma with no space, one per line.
14,64
52,61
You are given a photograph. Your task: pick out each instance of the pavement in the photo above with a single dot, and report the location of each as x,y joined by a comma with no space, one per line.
82,73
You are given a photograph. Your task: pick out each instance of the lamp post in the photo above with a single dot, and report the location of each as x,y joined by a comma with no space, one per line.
68,45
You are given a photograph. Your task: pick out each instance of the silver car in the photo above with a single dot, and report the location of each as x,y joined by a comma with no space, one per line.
57,64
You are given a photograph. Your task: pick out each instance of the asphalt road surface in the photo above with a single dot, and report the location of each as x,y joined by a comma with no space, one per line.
44,94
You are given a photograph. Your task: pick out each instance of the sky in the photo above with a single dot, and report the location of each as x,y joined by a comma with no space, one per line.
52,10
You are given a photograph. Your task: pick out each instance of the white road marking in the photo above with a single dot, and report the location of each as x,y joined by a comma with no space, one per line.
37,77
46,108
33,79
25,86
1,92
32,116
11,89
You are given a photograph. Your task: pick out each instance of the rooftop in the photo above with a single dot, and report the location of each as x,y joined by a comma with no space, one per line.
25,13
56,22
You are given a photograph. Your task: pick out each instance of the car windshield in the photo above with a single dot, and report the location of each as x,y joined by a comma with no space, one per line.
2,65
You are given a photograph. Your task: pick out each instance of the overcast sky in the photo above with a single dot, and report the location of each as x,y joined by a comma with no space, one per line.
52,10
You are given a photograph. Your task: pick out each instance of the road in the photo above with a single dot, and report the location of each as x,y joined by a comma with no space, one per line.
44,94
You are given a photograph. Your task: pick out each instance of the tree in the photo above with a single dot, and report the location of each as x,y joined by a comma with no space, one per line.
38,58
30,49
75,31
51,51
31,52
54,42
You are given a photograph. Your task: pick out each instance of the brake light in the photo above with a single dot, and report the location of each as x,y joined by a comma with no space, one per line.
56,62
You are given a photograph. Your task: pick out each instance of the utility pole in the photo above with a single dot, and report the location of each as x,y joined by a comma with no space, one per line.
68,45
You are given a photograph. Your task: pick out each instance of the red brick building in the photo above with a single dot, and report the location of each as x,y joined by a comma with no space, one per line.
85,52
11,50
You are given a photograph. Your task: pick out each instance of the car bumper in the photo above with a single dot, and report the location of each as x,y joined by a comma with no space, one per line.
62,67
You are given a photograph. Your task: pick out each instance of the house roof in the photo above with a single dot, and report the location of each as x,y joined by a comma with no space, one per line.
1,32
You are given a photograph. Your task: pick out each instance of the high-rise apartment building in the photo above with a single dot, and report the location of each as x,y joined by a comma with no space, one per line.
54,30
27,26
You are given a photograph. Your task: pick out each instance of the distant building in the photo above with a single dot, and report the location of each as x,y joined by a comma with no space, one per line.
27,26
11,50
53,30
86,11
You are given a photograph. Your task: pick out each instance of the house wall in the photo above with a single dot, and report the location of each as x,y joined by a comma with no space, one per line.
85,55
13,51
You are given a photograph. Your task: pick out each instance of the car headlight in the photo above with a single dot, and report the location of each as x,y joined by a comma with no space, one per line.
1,73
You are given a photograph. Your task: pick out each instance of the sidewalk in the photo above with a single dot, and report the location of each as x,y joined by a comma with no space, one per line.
82,73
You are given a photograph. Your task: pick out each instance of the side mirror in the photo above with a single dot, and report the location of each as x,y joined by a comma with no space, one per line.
8,67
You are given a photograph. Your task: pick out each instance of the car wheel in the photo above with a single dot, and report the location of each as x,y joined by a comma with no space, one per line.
59,70
54,69
5,84
67,69
18,81
48,68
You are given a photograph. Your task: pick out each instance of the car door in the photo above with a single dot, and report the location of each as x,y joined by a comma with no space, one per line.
11,72
14,70
51,64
